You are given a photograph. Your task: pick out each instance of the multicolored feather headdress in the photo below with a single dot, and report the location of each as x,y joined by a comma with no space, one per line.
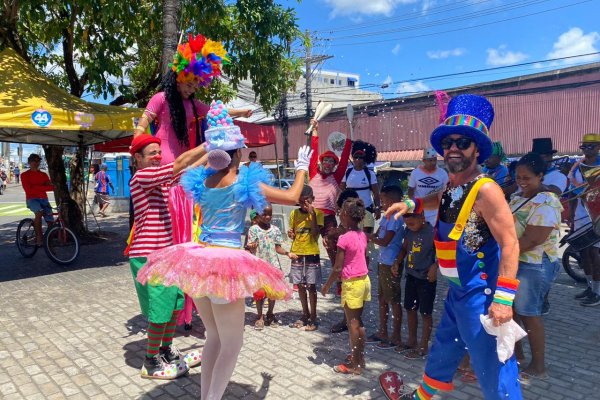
199,60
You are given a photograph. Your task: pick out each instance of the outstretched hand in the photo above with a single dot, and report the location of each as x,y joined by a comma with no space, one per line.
397,210
304,154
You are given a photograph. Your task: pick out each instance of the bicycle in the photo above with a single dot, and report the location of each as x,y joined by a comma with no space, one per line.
60,243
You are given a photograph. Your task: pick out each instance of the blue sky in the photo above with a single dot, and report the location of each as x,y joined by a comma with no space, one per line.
396,41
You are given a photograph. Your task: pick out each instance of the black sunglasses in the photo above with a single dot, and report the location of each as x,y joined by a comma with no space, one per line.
587,146
462,143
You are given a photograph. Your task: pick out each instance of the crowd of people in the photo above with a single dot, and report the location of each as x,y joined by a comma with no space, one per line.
493,232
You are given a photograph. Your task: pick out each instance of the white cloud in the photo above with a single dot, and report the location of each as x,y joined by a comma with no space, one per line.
412,87
427,4
396,49
501,56
372,7
574,42
441,54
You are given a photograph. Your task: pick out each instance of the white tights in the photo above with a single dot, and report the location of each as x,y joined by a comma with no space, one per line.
224,325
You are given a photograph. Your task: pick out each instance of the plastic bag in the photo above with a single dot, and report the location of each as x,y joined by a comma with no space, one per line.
507,335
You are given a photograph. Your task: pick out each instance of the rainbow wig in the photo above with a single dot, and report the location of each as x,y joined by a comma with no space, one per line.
199,60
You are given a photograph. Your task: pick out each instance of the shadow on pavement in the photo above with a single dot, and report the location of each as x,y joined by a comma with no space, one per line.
108,252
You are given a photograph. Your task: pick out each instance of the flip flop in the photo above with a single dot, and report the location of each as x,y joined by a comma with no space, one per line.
415,354
311,327
468,376
526,376
346,370
298,324
400,349
259,325
391,384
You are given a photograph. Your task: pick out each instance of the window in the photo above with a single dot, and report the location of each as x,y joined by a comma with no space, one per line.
332,81
351,83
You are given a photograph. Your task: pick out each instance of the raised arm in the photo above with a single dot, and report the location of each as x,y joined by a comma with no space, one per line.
313,167
292,195
344,160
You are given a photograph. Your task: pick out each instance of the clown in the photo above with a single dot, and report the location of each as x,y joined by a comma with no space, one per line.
174,110
325,173
478,252
217,272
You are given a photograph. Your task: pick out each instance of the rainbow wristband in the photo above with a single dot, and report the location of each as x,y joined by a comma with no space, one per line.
506,289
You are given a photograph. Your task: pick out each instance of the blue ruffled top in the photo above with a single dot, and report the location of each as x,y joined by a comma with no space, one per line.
224,209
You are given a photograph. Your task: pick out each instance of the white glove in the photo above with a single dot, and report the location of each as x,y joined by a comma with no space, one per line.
304,154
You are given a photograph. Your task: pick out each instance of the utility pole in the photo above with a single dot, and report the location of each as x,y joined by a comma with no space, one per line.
308,62
308,77
281,116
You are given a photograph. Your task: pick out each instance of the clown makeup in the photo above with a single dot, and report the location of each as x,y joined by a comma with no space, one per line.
187,89
151,156
327,164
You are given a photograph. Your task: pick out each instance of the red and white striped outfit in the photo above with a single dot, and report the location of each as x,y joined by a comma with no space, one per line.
150,195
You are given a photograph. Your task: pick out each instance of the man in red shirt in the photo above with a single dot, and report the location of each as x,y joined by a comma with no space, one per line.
36,183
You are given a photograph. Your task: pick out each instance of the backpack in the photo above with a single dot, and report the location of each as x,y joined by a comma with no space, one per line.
367,173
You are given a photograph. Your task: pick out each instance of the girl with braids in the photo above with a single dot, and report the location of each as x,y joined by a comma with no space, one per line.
180,126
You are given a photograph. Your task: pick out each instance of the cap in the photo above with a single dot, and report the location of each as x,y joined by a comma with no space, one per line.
141,141
429,152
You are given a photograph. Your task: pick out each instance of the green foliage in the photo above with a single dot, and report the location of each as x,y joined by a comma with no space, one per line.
103,47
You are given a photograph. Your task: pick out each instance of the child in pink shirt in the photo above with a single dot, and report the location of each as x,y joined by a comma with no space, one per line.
351,264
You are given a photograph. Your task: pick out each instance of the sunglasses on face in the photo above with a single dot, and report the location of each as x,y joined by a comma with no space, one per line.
462,143
359,157
587,146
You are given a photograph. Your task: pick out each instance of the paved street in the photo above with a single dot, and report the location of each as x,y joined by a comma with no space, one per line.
76,333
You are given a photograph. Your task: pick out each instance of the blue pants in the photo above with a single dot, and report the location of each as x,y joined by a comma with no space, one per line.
460,331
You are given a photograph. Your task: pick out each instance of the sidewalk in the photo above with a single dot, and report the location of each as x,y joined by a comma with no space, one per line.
76,333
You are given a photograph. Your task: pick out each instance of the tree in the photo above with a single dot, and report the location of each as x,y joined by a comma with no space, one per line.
114,49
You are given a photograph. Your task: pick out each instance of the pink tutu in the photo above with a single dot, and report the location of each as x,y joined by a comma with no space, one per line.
200,271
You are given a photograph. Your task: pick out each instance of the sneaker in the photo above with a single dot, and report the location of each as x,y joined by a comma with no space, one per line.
584,294
593,300
546,308
340,327
172,355
373,339
157,368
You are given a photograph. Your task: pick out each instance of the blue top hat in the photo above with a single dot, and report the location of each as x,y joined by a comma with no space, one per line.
471,116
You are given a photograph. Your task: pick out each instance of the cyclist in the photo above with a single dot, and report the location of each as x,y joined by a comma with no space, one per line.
36,183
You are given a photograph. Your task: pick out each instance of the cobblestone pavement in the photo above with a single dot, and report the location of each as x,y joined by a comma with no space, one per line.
76,333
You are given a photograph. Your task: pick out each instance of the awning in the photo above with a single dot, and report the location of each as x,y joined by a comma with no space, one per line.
34,110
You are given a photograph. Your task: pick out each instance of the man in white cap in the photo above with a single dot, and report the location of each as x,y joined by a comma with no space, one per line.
427,178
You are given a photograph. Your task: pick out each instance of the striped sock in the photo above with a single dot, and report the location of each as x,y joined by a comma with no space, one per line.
429,387
424,392
155,334
167,338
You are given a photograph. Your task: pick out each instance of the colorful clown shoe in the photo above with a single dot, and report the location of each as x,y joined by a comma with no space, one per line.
173,355
156,368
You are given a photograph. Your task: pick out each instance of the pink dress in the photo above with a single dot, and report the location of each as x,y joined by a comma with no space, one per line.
171,148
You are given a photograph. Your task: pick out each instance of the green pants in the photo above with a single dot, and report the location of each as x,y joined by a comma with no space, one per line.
156,301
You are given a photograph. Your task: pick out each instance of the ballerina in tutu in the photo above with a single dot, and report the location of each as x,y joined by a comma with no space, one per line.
217,272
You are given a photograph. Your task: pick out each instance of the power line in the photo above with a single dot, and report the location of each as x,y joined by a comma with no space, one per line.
448,20
463,28
407,16
428,78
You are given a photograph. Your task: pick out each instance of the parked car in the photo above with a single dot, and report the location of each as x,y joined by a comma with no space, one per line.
285,183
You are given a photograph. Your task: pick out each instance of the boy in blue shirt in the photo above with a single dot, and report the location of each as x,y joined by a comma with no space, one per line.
389,239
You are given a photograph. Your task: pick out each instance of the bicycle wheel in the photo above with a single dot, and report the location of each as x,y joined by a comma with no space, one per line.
571,261
61,245
26,238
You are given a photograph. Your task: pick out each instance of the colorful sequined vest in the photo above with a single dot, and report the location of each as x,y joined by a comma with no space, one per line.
468,254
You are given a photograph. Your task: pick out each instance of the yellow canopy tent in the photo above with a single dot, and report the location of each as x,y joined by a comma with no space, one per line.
34,110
